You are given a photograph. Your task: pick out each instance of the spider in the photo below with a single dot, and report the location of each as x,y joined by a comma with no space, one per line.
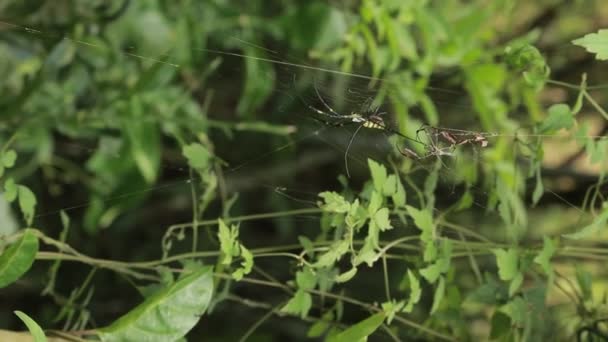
372,119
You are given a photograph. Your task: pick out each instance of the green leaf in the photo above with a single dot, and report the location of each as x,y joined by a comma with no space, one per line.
18,257
335,252
544,257
381,219
501,325
10,190
415,292
595,43
246,264
360,330
346,276
560,117
375,203
399,196
321,326
32,326
379,174
507,262
167,315
306,279
391,309
367,254
598,223
228,242
8,158
432,272
198,156
538,189
516,283
144,141
334,202
299,305
27,203
439,294
423,220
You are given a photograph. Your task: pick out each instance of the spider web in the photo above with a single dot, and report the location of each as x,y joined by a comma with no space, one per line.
313,150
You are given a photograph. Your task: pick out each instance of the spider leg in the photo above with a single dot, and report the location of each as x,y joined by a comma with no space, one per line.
348,148
323,101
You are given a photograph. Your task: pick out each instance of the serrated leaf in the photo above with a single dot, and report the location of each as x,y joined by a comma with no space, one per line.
334,202
415,292
228,242
10,190
432,272
18,257
27,203
306,279
391,309
381,219
560,117
598,224
360,330
299,305
198,156
390,186
423,220
346,276
515,283
168,314
399,197
375,203
439,294
32,326
8,158
595,43
544,256
367,254
246,264
379,174
335,252
507,262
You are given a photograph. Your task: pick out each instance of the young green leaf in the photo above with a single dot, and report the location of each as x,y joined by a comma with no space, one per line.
246,264
333,202
228,242
439,294
560,117
144,141
598,224
198,156
423,220
507,262
415,292
306,279
391,308
8,158
361,330
516,283
27,203
168,314
544,257
321,326
32,326
346,276
10,190
390,186
18,257
299,305
595,43
381,219
335,252
399,196
379,174
367,254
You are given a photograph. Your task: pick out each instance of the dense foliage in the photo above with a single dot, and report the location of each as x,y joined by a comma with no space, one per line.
293,170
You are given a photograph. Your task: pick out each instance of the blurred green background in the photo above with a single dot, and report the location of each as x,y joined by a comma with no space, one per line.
101,96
